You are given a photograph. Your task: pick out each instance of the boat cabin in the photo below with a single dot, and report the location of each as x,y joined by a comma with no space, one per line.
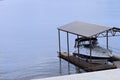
85,42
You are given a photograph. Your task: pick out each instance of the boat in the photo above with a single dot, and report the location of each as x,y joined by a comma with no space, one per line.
99,54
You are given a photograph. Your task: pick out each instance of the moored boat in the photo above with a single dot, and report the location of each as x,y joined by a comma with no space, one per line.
99,54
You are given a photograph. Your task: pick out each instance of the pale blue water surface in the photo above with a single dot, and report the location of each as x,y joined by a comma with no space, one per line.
28,33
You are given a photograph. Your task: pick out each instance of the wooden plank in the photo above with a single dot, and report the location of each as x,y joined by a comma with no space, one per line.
101,67
114,58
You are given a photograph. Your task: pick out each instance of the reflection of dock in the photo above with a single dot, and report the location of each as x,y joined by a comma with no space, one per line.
85,65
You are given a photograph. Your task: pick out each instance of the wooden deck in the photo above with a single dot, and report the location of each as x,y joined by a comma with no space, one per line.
85,65
114,58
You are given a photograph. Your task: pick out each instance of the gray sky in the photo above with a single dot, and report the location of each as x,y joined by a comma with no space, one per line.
27,22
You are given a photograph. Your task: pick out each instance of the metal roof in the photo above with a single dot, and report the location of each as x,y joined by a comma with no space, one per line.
83,29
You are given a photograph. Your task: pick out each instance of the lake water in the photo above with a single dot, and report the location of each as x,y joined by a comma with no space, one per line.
28,33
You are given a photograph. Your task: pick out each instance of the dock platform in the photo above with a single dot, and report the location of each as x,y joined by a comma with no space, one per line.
89,67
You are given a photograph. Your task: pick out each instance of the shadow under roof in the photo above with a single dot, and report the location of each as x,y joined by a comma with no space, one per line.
83,29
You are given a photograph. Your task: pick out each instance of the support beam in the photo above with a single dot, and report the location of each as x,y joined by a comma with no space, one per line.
107,39
59,40
90,51
78,46
77,68
68,52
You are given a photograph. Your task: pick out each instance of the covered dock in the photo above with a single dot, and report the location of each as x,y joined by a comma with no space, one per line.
89,32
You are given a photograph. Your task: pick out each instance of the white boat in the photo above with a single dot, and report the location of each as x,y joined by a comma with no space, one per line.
98,53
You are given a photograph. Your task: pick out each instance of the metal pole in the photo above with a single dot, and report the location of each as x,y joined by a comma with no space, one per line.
68,52
59,52
90,51
78,46
107,39
77,68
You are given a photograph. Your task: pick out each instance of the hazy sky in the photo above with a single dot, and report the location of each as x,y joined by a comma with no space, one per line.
25,23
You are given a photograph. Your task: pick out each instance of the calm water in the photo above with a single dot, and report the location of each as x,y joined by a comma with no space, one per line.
28,34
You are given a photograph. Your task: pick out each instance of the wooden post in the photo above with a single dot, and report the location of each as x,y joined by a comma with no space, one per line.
60,69
68,52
